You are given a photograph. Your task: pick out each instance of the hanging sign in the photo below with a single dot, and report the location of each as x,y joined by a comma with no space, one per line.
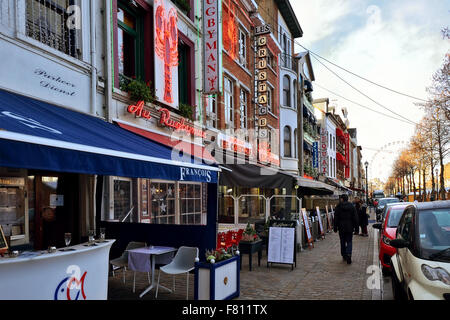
212,47
322,231
347,155
323,151
309,238
315,154
166,52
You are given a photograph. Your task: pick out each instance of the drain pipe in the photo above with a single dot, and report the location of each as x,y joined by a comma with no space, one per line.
93,60
108,56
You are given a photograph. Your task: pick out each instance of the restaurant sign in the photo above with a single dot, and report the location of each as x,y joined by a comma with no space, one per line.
323,151
315,154
234,144
212,46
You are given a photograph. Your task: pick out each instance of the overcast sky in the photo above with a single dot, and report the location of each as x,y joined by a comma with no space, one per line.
396,43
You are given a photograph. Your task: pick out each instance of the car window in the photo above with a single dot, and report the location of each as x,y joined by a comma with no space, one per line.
394,217
434,229
405,224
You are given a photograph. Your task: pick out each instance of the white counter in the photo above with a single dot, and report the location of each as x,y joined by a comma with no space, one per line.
81,274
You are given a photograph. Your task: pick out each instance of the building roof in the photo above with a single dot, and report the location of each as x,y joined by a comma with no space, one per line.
289,16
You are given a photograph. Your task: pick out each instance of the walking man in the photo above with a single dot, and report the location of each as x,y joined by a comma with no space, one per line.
345,220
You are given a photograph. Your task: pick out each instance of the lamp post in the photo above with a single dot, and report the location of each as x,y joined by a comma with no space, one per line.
366,164
437,184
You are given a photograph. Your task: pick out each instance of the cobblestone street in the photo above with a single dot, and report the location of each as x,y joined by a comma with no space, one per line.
320,275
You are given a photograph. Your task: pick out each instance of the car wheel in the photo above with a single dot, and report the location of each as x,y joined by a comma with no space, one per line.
397,289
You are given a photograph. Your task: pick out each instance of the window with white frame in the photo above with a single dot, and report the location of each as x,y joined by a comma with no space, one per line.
287,141
190,200
243,108
295,144
242,48
270,106
228,97
286,91
211,112
47,22
162,199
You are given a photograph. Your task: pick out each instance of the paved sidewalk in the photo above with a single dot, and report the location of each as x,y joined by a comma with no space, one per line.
320,274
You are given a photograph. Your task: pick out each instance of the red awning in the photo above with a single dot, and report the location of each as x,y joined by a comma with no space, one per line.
197,151
339,132
340,157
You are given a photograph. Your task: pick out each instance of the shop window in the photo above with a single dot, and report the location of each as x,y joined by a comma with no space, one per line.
190,200
243,108
122,199
228,100
286,91
287,141
170,202
46,22
162,197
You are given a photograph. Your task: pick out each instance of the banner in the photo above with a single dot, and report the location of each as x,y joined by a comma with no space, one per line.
212,47
315,154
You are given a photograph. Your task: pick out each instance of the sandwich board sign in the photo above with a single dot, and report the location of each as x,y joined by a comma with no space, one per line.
330,227
309,238
322,232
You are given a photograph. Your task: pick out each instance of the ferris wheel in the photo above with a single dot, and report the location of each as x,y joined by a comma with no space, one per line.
381,162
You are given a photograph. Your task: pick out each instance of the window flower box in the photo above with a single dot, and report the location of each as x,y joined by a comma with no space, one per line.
217,281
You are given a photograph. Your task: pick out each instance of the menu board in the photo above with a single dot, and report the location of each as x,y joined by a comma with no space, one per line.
281,245
322,232
3,243
328,219
309,238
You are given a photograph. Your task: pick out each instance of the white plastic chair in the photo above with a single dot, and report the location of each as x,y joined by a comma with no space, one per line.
122,261
183,262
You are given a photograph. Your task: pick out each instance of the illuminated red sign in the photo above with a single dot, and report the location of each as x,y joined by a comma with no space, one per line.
179,125
139,111
266,155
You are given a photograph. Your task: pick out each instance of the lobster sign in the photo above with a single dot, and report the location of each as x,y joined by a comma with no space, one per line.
166,49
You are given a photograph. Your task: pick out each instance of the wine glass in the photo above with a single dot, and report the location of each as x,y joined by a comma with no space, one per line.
91,236
67,238
102,234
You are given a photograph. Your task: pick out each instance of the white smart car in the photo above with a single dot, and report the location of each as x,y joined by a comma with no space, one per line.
421,266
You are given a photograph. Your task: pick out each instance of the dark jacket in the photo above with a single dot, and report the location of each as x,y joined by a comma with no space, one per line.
362,216
345,217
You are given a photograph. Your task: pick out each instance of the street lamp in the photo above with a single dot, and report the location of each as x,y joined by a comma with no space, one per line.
366,164
437,184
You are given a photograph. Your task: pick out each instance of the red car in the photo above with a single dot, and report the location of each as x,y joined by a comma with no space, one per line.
388,228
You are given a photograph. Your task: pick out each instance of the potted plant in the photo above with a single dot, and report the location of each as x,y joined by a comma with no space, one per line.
186,111
219,277
249,234
137,89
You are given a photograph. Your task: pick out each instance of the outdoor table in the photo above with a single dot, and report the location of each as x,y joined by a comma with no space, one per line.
143,260
250,248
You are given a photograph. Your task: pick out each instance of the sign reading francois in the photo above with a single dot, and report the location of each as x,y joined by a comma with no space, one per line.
194,174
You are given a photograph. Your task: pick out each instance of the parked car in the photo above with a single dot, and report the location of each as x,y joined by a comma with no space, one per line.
421,265
387,228
380,207
378,194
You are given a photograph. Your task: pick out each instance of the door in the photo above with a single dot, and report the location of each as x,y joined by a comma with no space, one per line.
57,209
405,232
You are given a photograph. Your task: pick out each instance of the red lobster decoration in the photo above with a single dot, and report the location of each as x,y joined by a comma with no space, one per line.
166,44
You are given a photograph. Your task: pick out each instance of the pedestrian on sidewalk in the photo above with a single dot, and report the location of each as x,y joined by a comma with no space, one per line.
363,218
357,204
345,220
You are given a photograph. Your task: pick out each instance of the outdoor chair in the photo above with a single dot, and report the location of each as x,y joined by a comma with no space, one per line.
183,262
122,261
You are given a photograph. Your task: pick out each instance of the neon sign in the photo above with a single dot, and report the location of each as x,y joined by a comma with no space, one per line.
230,31
139,110
166,47
179,125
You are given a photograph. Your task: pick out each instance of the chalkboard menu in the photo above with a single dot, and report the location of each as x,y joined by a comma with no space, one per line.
3,243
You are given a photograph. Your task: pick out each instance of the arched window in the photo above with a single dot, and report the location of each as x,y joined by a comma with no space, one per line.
294,88
295,144
286,91
287,141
